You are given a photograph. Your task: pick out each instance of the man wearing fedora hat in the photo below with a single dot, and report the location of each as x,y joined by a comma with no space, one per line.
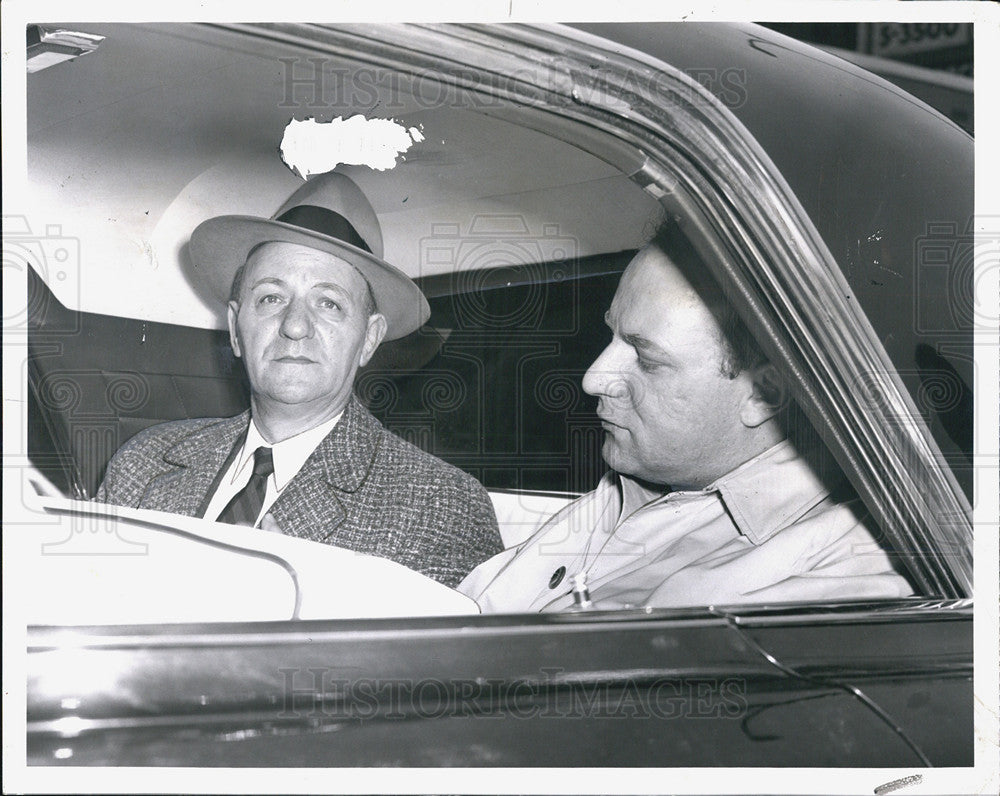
309,301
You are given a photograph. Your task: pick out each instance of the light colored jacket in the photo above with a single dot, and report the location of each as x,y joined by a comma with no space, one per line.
767,532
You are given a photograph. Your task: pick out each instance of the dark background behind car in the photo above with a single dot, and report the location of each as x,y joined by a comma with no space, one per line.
933,61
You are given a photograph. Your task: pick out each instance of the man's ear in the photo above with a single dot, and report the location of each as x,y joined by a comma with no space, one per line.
231,312
373,337
768,396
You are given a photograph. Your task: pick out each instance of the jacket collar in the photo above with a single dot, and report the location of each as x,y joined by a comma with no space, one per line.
312,505
223,435
770,492
197,461
346,455
763,496
342,461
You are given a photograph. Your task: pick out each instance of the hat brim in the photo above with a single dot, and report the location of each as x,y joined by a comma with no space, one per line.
220,245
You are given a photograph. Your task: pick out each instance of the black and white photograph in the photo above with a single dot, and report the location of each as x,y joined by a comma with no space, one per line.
511,400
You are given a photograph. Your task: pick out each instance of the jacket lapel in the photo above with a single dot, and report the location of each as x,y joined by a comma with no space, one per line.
195,463
313,504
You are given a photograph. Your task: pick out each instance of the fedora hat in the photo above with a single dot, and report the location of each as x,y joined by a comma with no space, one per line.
328,213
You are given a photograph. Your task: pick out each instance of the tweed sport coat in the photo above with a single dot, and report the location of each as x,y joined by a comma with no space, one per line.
363,488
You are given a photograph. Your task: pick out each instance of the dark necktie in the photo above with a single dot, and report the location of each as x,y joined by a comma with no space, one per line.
246,504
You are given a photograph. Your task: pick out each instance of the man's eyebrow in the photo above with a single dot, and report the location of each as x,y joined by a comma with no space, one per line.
637,341
644,344
268,280
331,286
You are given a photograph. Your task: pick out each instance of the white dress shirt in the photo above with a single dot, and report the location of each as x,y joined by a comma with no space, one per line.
288,456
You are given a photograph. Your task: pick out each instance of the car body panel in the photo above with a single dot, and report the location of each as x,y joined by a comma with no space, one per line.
679,688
